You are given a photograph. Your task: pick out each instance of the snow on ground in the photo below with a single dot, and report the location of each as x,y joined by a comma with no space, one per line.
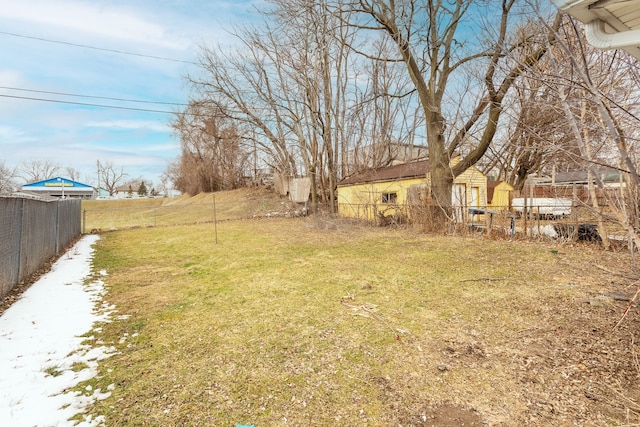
41,341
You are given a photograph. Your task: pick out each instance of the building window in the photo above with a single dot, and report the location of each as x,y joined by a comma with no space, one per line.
390,198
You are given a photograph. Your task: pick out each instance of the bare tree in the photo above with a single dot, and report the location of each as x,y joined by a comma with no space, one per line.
7,179
239,84
604,85
539,138
298,86
384,114
433,42
536,137
72,173
165,179
213,154
38,170
111,177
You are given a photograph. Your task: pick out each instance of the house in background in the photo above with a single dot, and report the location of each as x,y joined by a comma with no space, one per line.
574,185
377,155
499,195
391,191
102,193
610,178
60,187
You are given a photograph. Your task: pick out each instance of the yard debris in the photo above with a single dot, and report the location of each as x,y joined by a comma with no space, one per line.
606,298
631,302
616,296
615,273
583,231
369,310
484,279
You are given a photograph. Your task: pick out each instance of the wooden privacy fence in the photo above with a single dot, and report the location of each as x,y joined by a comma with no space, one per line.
31,233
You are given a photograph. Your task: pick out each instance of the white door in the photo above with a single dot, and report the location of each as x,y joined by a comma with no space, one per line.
458,200
475,197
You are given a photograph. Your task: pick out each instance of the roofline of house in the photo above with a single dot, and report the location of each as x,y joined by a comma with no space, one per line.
57,179
376,181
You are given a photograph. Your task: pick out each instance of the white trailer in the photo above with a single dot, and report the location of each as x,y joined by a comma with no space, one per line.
553,207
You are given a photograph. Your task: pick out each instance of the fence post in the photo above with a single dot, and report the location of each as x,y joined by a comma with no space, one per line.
215,220
84,221
20,244
58,225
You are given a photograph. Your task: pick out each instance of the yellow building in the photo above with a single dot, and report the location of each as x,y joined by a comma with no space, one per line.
390,191
499,195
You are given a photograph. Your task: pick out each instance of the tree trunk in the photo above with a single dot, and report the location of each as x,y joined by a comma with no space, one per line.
440,171
602,230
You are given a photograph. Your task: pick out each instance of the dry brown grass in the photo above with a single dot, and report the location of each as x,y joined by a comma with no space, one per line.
117,214
321,322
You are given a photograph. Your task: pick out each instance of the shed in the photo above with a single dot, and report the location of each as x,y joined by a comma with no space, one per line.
499,195
60,187
390,190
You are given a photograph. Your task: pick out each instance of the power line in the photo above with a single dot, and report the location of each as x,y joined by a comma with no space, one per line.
87,104
97,48
92,96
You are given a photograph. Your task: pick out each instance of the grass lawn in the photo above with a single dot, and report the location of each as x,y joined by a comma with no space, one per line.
291,322
109,215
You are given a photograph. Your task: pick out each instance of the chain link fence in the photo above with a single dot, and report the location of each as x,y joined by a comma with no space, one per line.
539,220
575,222
31,233
112,215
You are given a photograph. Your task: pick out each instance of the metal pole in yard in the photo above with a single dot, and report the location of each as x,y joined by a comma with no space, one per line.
215,220
525,212
574,230
490,227
84,221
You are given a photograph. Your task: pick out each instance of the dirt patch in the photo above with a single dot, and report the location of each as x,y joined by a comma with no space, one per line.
581,368
447,415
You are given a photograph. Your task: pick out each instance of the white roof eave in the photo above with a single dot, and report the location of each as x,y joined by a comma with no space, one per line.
598,37
597,24
579,9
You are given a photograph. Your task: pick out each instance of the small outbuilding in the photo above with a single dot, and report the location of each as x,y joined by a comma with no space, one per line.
60,187
499,195
391,191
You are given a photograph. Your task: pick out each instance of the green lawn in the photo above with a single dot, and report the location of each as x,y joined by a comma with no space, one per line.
291,322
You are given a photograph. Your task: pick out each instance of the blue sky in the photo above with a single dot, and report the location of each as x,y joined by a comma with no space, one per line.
77,136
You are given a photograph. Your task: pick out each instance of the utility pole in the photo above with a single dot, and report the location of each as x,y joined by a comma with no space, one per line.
98,163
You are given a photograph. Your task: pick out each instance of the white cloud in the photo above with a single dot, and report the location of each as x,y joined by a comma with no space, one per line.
131,124
10,78
90,19
169,146
77,136
12,134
